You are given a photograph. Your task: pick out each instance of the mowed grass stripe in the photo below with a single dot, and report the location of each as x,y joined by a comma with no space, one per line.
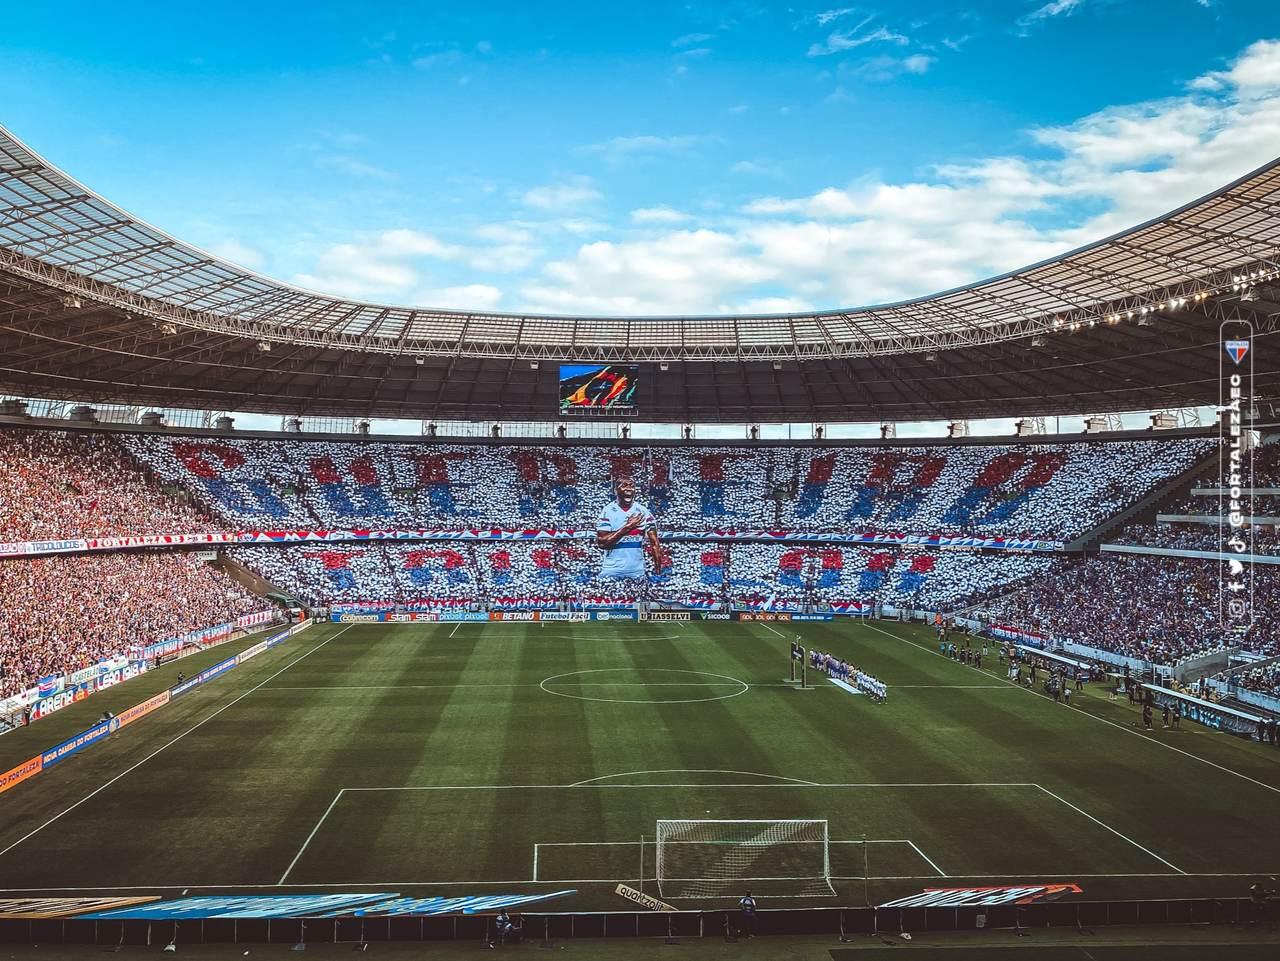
277,759
1142,790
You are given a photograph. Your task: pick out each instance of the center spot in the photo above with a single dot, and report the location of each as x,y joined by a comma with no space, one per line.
644,685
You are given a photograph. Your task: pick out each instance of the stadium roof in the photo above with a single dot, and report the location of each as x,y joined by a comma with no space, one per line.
97,305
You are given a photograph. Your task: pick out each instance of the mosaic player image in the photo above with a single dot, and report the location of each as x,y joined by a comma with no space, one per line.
627,532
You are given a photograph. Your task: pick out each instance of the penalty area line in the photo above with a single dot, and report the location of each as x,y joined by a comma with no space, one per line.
327,811
133,767
1104,824
928,860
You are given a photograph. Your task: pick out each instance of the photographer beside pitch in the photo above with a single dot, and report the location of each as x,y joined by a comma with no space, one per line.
626,531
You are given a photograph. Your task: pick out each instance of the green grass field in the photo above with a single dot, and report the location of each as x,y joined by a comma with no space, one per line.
511,758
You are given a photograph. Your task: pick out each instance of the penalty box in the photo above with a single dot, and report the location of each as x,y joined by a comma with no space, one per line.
598,832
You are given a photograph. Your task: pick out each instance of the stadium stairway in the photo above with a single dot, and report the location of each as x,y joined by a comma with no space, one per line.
256,583
1145,508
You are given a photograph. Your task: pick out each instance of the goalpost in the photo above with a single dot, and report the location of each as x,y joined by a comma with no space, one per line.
708,859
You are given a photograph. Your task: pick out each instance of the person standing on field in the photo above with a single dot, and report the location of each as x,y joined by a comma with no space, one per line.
747,905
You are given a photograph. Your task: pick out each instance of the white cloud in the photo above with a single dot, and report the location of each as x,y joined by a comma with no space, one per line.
682,271
755,168
466,297
827,16
644,145
692,39
567,195
658,215
581,225
390,264
1257,71
355,167
440,58
1048,11
508,233
874,241
238,253
880,69
840,42
768,305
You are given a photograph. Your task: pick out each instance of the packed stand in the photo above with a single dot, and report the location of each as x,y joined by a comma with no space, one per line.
1264,680
431,575
1157,609
704,574
62,613
56,485
1264,465
1214,505
1196,537
1050,492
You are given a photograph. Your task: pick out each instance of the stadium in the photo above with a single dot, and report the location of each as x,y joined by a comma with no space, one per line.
578,651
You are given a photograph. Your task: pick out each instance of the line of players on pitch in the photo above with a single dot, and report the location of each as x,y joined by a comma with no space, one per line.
833,666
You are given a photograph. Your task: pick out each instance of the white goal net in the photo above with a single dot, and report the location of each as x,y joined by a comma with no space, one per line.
709,859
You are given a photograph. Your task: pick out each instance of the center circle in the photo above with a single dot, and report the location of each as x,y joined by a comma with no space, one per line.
644,685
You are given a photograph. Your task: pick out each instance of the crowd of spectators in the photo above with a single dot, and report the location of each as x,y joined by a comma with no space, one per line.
1264,680
1263,467
698,573
1049,491
62,613
1263,539
55,484
1156,609
1214,505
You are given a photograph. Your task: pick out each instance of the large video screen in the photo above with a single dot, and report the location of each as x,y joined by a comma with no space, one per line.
598,388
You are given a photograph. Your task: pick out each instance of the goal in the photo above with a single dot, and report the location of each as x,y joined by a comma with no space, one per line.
710,859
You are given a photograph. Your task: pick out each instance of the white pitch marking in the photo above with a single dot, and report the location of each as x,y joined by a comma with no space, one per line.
1110,828
554,787
743,686
1103,720
605,777
768,628
941,873
455,629
619,637
168,744
314,830
1039,875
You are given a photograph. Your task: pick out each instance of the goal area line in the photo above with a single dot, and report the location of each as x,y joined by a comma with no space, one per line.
540,845
619,863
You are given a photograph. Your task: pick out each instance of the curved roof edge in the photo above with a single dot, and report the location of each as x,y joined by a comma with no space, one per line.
58,232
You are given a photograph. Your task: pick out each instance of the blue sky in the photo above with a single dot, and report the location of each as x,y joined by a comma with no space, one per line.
642,158
646,158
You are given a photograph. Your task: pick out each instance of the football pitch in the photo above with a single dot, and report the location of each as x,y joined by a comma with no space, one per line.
518,758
